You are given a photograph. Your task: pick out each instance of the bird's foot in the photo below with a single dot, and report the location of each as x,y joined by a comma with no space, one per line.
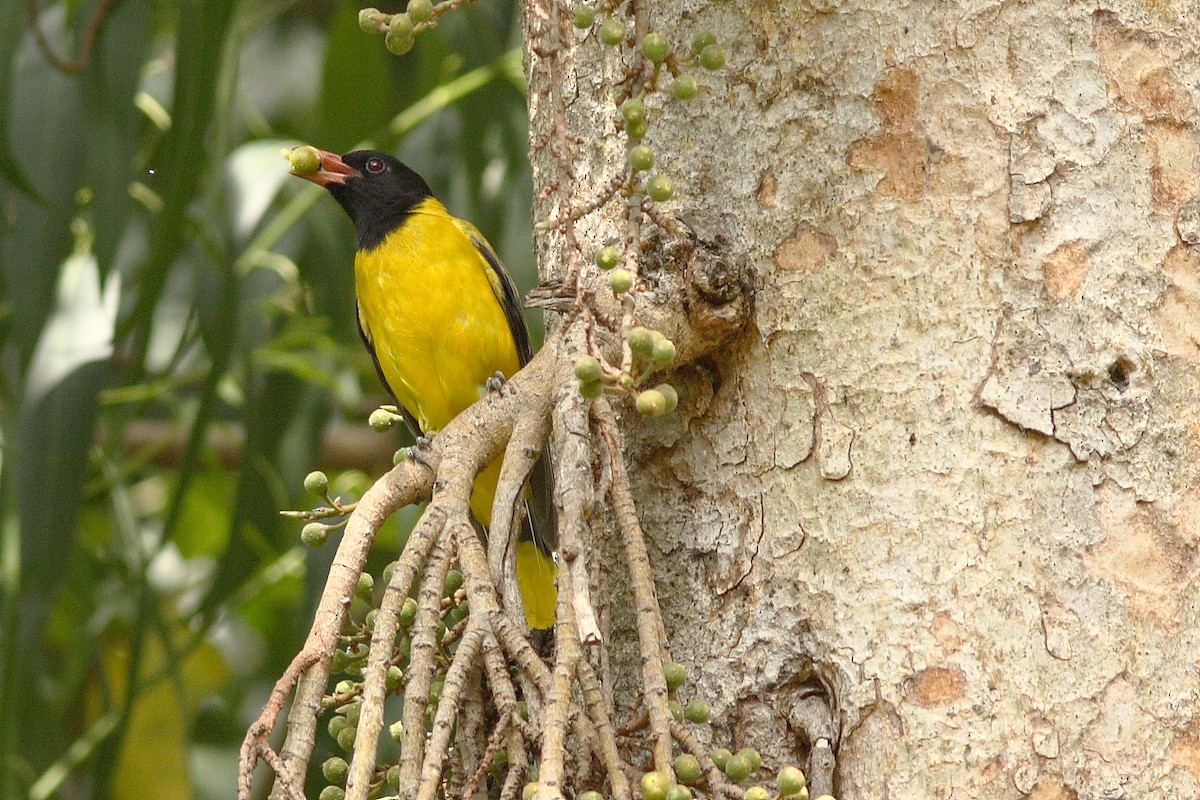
420,449
497,382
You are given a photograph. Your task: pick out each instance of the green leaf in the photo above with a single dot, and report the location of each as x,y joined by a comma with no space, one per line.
12,28
53,438
36,237
58,414
111,122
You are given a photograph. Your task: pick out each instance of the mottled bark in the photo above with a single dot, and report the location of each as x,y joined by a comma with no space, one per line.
948,473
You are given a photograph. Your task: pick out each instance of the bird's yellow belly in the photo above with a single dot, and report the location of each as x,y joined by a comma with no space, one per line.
436,325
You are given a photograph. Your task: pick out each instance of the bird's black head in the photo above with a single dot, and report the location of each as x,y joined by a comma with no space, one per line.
375,188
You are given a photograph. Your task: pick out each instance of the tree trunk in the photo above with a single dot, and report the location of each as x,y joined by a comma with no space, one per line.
950,468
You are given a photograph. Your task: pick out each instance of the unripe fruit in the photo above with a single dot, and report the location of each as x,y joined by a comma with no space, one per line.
790,782
366,585
366,20
590,390
674,673
316,482
314,534
396,730
641,344
702,40
687,768
655,786
339,661
452,583
637,130
620,281
335,769
697,711
738,768
408,613
653,404
381,420
399,39
332,793
337,724
664,351
757,793
345,739
712,57
655,47
587,368
394,676
633,110
672,705
679,793
684,87
641,158
672,397
393,776
528,792
589,795
720,756
304,159
612,31
608,257
753,756
584,17
420,10
660,188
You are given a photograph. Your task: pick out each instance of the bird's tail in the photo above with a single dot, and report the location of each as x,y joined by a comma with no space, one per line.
536,567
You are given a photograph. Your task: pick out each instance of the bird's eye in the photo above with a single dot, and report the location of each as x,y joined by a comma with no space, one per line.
375,165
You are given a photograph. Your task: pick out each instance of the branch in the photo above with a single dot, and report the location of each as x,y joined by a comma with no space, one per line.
598,710
309,670
650,634
529,436
438,746
421,664
573,484
383,640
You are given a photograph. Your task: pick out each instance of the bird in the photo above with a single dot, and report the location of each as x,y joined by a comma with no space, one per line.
442,320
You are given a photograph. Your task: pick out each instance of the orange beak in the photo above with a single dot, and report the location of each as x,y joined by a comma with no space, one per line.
333,171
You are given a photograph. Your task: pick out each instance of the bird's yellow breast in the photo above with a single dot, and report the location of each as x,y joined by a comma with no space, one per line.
431,308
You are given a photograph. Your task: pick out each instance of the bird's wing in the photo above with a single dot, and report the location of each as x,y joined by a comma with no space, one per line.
505,290
541,522
413,426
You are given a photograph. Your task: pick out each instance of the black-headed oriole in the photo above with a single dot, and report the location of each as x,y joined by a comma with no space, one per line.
440,317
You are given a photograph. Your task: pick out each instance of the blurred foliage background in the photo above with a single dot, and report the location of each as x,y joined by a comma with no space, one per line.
179,349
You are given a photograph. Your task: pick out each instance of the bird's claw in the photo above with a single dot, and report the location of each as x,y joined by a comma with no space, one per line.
497,382
420,448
